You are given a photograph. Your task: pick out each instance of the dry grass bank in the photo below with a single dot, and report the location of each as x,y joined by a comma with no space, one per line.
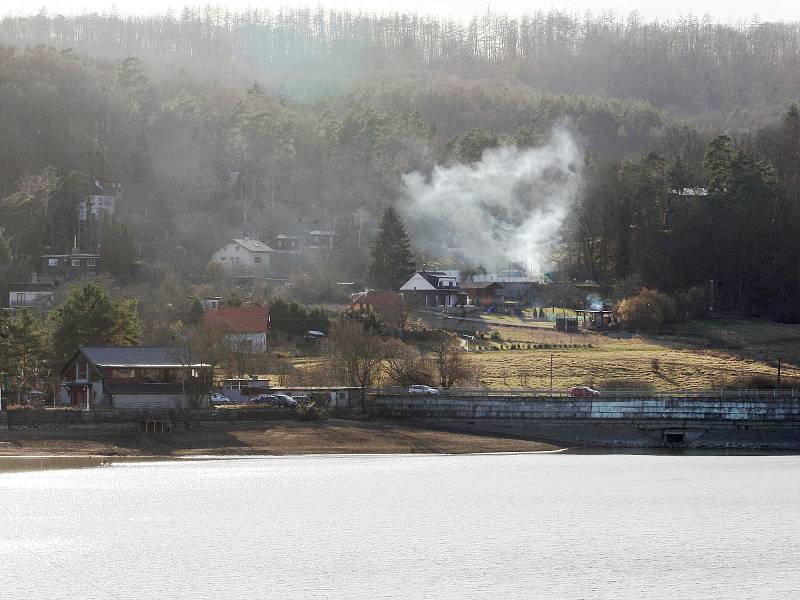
276,438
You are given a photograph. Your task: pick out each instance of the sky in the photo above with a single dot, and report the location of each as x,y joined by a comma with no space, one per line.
720,10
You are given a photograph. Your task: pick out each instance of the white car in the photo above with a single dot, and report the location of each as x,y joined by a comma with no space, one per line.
217,399
423,389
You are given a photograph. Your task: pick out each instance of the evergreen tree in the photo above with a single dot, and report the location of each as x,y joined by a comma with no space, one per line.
21,346
391,261
89,315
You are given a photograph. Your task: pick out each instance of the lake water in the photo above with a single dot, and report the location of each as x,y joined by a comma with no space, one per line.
435,527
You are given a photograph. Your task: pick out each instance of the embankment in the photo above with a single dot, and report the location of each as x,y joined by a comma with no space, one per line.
746,423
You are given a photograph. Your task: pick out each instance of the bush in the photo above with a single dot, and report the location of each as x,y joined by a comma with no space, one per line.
621,383
649,309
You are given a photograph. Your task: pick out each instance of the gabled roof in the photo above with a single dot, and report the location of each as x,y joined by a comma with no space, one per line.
433,277
480,285
133,356
239,319
31,286
252,245
378,298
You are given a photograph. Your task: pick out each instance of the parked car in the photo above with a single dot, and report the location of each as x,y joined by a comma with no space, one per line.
583,391
423,389
277,400
217,399
313,336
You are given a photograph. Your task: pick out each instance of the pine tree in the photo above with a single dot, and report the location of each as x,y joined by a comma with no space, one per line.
89,315
392,262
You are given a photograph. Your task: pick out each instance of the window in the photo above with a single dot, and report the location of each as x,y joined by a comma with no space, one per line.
75,262
91,262
52,262
256,259
20,298
236,258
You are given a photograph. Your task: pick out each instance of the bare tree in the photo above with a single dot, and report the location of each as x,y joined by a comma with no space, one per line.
356,354
199,346
405,365
451,361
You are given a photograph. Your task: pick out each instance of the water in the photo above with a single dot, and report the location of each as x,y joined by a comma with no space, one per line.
433,527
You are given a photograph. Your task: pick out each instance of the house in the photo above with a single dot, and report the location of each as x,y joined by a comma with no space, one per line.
101,201
244,256
481,293
59,268
286,243
389,305
34,295
319,239
133,377
433,288
244,326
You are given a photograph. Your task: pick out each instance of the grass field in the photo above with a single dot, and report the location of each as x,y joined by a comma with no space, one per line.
695,355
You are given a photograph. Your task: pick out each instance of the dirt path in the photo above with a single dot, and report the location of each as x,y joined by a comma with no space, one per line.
334,436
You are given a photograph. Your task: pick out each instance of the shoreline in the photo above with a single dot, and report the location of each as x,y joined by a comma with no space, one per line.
243,439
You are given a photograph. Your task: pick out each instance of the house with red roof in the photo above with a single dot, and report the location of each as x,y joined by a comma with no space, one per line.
246,326
389,305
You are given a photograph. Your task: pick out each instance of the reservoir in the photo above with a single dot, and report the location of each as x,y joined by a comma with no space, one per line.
505,526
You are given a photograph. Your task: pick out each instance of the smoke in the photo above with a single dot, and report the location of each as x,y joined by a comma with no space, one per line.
509,207
594,302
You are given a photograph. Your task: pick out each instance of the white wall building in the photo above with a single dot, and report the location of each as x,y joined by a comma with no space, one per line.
244,256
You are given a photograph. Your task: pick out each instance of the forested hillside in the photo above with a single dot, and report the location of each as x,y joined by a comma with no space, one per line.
320,114
716,72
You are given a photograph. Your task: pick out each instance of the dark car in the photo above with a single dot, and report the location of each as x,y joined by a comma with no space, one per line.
277,400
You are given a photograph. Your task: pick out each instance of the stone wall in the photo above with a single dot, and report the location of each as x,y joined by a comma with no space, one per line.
644,409
636,422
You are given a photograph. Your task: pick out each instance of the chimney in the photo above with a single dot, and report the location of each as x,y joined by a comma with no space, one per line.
75,245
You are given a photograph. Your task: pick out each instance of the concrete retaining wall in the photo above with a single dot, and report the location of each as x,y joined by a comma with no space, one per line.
637,422
681,409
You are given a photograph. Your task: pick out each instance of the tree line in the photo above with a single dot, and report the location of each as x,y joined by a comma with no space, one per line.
721,216
690,64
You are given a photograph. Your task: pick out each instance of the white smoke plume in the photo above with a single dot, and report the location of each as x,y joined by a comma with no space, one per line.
508,207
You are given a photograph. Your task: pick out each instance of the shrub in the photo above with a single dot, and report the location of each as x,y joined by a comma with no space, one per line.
622,383
655,365
648,310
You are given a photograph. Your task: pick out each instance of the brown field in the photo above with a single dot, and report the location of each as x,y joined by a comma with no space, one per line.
695,355
273,438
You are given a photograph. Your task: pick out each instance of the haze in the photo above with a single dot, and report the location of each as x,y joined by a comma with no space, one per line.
776,10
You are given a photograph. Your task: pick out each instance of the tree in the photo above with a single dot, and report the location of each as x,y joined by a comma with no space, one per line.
21,347
392,262
5,252
470,146
118,247
451,362
647,310
89,315
356,353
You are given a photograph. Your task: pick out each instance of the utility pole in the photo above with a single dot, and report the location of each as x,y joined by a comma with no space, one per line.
779,373
551,374
711,306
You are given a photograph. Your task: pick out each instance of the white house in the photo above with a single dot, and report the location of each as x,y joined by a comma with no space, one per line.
243,255
34,295
433,288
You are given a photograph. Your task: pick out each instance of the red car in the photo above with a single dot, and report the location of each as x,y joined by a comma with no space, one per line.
583,391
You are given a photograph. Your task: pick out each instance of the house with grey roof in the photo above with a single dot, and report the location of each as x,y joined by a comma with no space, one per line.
433,289
134,377
244,256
